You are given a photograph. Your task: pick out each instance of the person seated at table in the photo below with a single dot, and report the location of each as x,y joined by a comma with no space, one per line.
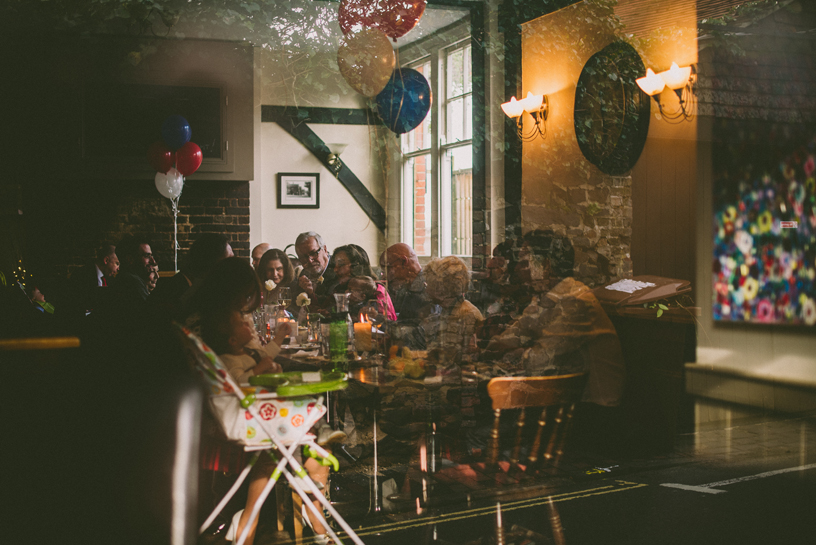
563,329
406,284
232,286
363,289
316,279
173,294
450,335
274,265
504,295
348,261
229,339
221,315
258,252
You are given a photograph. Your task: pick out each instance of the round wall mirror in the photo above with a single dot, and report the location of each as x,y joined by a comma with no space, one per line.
611,112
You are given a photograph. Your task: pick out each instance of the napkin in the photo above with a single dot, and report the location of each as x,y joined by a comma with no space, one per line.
304,354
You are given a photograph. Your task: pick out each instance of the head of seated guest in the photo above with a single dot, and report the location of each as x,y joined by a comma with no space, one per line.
275,266
172,294
450,335
38,299
153,279
544,258
363,291
349,261
136,262
258,252
107,263
400,265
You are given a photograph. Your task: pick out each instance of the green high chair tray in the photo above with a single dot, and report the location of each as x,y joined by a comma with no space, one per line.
299,383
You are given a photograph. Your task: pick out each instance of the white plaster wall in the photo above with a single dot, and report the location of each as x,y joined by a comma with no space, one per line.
339,220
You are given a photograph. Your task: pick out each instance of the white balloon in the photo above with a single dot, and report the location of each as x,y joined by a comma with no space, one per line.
170,184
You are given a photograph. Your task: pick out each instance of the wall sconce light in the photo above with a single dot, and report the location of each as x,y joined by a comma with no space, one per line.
333,158
679,80
537,107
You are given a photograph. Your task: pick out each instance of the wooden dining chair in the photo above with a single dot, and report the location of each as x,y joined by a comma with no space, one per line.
555,395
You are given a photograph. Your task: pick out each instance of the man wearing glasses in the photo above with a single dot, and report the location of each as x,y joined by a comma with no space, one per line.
316,279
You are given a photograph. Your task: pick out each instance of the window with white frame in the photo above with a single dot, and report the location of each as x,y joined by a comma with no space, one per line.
437,159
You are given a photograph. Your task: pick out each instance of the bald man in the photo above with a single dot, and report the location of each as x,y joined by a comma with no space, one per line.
258,252
405,283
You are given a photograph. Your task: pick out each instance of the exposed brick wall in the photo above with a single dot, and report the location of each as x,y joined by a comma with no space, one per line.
597,218
65,222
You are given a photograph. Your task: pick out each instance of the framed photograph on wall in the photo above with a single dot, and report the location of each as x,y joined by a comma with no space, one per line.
296,190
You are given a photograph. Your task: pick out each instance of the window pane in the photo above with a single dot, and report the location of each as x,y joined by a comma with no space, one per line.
419,138
455,120
468,80
456,75
417,204
468,115
458,192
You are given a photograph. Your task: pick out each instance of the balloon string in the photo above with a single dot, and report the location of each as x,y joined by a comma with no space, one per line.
175,203
402,97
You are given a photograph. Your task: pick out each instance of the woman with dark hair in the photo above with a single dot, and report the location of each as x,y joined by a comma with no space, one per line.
348,261
275,266
352,267
232,289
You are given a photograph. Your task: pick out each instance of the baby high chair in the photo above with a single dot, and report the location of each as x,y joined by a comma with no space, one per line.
275,419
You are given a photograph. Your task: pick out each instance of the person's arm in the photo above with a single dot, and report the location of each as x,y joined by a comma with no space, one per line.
266,365
240,367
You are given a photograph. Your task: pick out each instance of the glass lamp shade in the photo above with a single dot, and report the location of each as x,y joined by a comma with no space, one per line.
514,108
532,103
676,77
651,84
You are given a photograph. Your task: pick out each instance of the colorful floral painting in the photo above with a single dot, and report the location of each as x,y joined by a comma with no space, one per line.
764,266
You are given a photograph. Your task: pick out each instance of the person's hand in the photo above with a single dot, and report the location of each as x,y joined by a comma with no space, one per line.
281,331
266,365
306,285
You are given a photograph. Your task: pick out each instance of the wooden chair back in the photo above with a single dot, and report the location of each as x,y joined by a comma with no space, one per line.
556,395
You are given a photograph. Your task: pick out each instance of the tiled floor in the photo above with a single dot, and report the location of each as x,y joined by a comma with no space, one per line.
748,480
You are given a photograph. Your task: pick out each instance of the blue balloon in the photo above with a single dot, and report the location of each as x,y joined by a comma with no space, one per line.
176,132
405,101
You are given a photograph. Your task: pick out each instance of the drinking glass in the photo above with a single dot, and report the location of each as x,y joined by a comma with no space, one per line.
313,333
372,312
284,296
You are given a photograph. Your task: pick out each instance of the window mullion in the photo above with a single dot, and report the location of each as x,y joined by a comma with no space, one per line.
437,113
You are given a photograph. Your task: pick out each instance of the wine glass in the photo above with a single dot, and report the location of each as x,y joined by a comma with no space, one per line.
284,296
373,313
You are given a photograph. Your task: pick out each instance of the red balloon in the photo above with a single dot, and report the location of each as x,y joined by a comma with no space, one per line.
394,17
160,157
188,158
397,17
356,14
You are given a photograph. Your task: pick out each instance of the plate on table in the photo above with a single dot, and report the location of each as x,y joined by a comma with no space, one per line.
295,384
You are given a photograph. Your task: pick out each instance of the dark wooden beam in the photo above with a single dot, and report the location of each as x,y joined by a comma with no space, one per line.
295,121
